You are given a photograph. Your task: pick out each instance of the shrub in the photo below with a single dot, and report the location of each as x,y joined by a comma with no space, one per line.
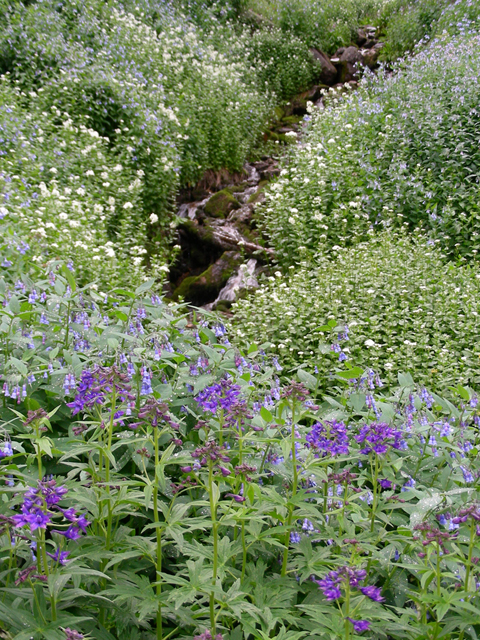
406,310
401,152
68,194
164,107
283,66
408,23
322,23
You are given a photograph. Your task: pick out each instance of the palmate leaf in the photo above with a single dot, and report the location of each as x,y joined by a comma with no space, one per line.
283,634
130,586
52,631
15,617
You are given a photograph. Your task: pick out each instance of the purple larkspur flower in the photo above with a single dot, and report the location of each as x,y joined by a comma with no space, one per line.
374,593
59,556
96,387
385,484
328,438
72,533
295,537
6,450
467,475
331,584
359,625
36,518
222,395
379,437
72,634
235,497
208,636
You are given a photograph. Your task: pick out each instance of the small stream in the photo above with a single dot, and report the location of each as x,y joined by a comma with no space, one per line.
222,251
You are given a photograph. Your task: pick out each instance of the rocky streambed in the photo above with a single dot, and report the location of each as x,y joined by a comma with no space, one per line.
222,251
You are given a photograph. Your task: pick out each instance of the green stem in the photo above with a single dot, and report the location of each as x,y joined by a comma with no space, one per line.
294,493
470,552
39,452
347,611
375,491
244,546
159,539
213,515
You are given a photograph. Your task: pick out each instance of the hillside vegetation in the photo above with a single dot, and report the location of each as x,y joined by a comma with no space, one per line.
306,466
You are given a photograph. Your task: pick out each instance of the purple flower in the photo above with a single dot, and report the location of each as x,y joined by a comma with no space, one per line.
328,438
59,556
378,437
208,636
330,585
235,497
467,475
330,592
374,593
72,533
97,384
295,537
409,484
222,395
6,450
360,625
385,484
71,634
37,519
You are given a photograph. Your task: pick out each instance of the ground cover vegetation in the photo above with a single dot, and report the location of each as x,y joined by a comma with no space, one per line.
312,473
400,156
410,23
159,483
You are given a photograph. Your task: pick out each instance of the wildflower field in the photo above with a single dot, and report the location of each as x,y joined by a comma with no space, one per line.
306,466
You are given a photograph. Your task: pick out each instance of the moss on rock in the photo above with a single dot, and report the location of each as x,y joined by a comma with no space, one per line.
220,204
206,286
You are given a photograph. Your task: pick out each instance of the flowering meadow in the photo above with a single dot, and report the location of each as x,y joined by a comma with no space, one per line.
308,468
374,219
158,482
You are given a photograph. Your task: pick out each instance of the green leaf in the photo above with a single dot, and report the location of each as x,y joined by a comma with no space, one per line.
14,305
309,381
215,493
69,276
266,415
20,366
405,380
355,372
145,286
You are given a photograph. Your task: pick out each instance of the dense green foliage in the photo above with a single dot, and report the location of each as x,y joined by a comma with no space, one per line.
401,153
316,473
409,22
160,484
406,309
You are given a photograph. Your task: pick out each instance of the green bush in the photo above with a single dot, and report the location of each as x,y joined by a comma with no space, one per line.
283,66
166,101
409,22
321,23
401,152
405,308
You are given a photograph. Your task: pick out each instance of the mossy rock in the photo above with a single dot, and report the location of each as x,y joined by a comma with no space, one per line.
223,306
258,196
205,287
292,119
220,204
277,137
